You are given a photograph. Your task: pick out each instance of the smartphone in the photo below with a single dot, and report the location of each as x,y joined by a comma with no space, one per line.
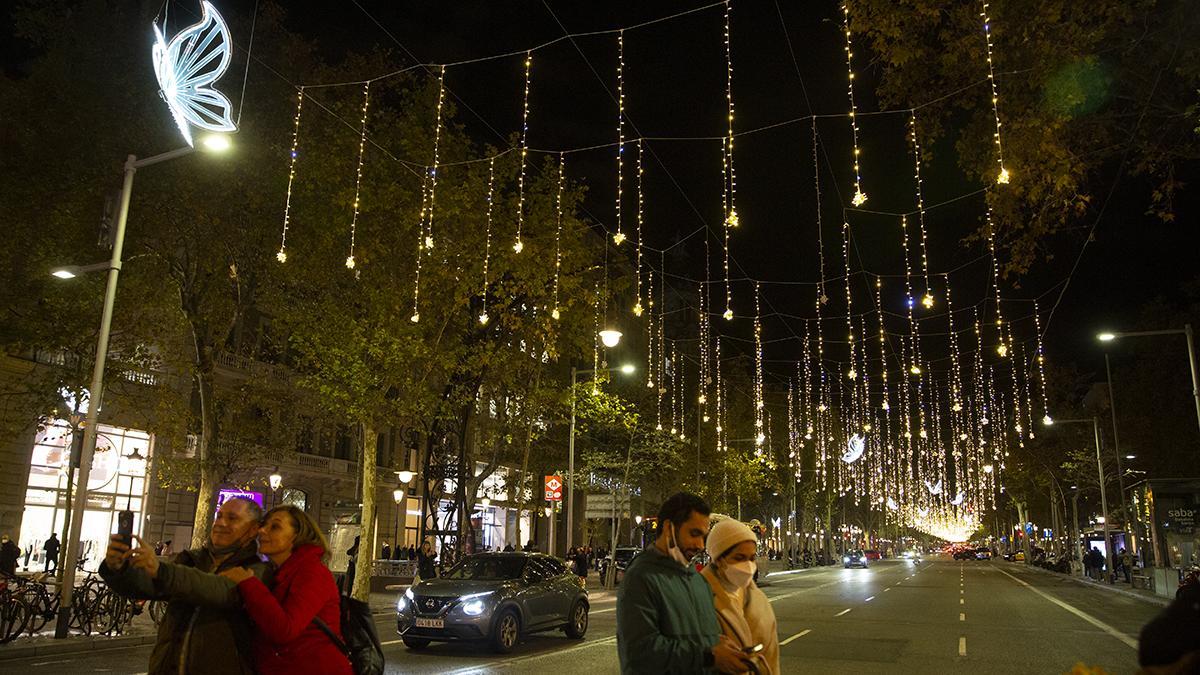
753,650
125,527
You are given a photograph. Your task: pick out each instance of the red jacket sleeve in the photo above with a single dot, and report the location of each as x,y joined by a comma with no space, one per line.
281,624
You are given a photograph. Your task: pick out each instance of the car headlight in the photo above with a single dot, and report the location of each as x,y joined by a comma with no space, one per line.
473,605
846,559
403,602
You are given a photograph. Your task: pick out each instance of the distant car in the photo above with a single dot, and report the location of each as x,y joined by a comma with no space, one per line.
622,557
964,554
854,559
494,598
874,555
983,554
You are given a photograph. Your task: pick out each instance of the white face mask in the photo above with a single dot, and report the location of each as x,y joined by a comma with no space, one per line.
673,549
740,574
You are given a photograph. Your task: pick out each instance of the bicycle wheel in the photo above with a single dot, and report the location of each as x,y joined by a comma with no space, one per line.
38,601
14,614
158,609
83,609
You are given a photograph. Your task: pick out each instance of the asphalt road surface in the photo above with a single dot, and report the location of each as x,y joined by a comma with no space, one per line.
938,617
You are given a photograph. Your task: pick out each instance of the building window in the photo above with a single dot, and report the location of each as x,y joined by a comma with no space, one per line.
294,497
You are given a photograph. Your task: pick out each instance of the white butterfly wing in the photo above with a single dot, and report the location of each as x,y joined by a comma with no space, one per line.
195,58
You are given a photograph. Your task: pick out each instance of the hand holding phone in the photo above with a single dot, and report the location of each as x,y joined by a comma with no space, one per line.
125,527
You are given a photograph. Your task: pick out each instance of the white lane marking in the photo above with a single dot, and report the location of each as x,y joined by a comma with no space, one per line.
486,667
843,611
962,646
869,599
1129,641
603,611
961,591
887,589
801,634
962,616
390,642
961,601
798,592
50,663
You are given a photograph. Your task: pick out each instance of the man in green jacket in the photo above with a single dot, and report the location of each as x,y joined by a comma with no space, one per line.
205,630
666,622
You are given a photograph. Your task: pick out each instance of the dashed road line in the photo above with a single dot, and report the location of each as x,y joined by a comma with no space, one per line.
801,634
962,601
844,611
962,646
962,616
869,599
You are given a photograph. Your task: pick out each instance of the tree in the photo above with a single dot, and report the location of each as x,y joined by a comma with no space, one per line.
1086,92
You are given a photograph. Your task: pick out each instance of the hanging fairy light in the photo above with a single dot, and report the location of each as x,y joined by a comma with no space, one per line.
433,170
650,332
1002,346
362,147
1004,176
487,238
860,197
596,337
415,317
731,213
927,300
281,256
758,370
558,208
1041,363
637,307
519,245
619,236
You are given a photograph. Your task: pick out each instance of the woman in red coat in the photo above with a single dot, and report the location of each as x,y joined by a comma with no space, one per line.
286,640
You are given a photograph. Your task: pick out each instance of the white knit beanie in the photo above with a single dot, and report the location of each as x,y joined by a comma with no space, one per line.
725,535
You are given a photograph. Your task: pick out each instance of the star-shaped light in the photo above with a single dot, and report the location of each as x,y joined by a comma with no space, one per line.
859,199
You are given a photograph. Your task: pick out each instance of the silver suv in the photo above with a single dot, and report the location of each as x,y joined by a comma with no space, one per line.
495,598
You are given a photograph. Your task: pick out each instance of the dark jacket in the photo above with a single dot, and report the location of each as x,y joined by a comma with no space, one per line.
425,564
666,621
9,553
205,629
286,641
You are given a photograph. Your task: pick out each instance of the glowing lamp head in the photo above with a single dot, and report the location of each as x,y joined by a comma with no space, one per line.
405,476
398,495
610,337
216,142
628,368
1106,337
64,273
275,480
486,501
637,519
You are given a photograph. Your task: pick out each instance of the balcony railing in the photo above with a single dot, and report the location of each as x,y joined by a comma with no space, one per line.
245,364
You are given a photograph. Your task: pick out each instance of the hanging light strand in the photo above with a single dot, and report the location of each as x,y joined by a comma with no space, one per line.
487,238
1041,364
731,214
927,299
558,221
1002,346
860,197
728,314
281,256
619,235
637,307
416,314
362,148
519,245
759,436
1003,176
433,170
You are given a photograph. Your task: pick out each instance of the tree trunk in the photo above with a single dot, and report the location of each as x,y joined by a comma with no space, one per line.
206,494
366,542
524,476
1021,515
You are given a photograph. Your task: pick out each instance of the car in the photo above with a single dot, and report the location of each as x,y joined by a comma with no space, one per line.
983,554
622,557
854,559
494,598
874,555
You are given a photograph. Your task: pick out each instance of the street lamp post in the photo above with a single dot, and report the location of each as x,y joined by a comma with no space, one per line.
575,373
1186,331
96,392
1100,473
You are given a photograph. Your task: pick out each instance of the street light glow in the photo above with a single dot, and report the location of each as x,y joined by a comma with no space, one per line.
610,337
64,273
628,369
217,142
405,476
1106,337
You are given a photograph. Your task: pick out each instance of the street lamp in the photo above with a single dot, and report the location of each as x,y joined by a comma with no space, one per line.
1103,492
610,337
627,369
1186,331
132,164
404,476
72,271
275,481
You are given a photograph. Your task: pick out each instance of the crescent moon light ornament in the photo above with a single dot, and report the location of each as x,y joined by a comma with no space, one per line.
855,448
187,66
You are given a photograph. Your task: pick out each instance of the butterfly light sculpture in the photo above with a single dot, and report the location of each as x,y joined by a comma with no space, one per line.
934,488
958,498
186,68
891,503
854,449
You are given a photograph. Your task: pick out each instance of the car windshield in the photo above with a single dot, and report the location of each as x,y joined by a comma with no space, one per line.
487,568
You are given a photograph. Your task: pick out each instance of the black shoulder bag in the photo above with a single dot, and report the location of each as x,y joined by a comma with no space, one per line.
361,643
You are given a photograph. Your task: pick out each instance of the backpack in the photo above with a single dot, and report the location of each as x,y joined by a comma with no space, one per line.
361,642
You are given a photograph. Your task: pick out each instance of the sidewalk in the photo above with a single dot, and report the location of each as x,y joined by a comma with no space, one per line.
1119,588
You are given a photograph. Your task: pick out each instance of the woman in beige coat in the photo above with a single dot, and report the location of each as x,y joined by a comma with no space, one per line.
745,615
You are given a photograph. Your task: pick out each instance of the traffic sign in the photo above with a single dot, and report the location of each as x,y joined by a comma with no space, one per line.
554,486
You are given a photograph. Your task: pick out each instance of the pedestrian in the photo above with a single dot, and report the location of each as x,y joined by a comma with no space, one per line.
387,552
51,549
580,562
168,550
745,614
1127,564
291,616
204,630
9,553
158,547
666,621
508,548
352,553
426,557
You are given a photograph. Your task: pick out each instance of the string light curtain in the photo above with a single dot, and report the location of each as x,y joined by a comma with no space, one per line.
281,255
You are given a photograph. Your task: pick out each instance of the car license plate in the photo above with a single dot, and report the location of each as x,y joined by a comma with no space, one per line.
431,623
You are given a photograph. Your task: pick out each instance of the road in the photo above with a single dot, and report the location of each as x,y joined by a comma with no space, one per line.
939,617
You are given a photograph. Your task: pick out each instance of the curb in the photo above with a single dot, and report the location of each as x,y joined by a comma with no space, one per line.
1152,599
72,645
